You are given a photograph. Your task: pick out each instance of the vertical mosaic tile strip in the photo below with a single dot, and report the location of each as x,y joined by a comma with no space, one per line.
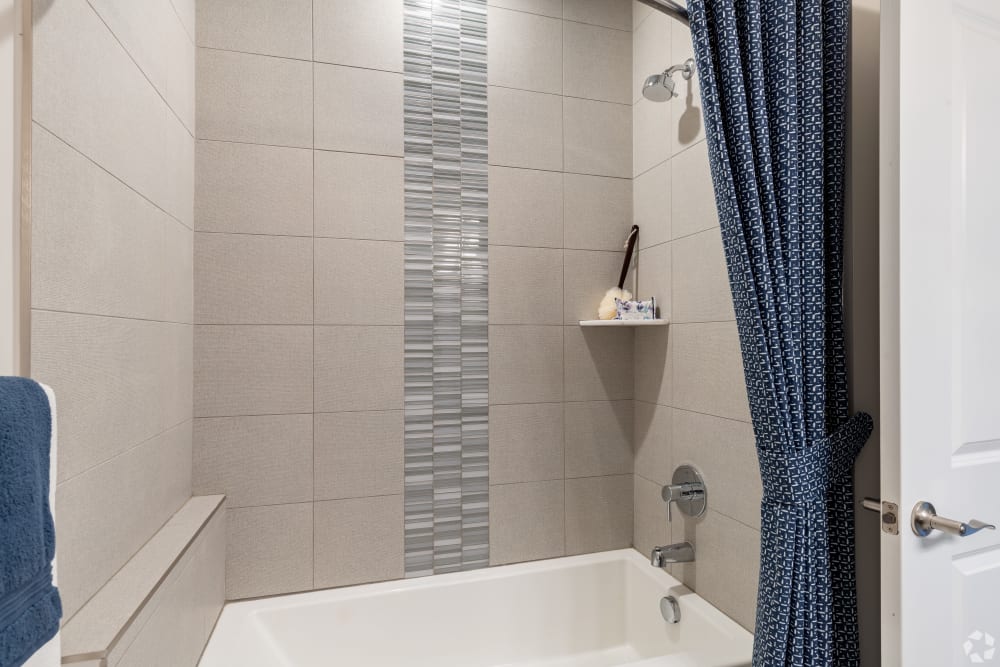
445,338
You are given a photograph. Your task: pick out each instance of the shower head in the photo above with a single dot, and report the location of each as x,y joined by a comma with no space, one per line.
660,87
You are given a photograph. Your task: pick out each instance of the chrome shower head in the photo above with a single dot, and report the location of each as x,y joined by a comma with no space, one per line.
660,87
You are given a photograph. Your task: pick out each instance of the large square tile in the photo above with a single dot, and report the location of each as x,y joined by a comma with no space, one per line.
359,368
526,207
609,13
526,364
525,129
544,7
653,442
257,26
708,370
598,364
650,135
359,196
650,49
526,443
655,271
526,285
598,438
359,282
693,201
526,521
598,212
654,365
359,33
269,550
689,122
651,203
524,51
598,137
589,276
650,526
597,63
598,514
358,540
359,454
701,280
358,110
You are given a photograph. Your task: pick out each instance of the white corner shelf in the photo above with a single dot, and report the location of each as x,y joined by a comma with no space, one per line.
623,323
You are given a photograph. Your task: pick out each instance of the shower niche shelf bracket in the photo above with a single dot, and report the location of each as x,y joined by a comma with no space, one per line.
624,323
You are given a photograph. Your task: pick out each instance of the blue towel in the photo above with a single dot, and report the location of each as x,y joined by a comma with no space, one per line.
30,607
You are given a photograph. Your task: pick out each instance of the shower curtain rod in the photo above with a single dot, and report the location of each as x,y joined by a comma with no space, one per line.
670,8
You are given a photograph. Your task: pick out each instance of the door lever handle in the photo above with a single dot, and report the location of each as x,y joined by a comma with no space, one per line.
924,520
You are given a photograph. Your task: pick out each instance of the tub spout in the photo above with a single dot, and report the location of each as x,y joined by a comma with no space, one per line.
682,552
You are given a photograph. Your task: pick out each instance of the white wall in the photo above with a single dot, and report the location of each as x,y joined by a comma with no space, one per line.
9,84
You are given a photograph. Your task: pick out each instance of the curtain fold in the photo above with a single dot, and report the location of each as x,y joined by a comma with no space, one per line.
773,85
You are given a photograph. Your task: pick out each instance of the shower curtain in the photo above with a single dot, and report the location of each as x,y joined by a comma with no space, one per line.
773,79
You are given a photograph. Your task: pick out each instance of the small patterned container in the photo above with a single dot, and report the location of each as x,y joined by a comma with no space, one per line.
636,310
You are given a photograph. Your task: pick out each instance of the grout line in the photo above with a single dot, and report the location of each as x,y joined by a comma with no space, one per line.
563,95
312,184
311,502
561,17
302,148
298,414
669,158
111,317
311,60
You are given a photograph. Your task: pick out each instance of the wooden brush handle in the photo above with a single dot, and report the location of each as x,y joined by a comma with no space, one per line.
633,236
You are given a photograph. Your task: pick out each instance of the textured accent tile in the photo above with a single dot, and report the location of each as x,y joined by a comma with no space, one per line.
357,110
653,442
701,287
727,566
526,285
708,370
651,526
78,88
257,26
651,202
589,274
525,129
251,189
526,207
254,99
650,48
98,247
598,364
598,212
654,365
597,63
248,370
544,7
598,438
526,521
693,201
269,550
598,137
723,450
598,514
690,126
265,460
358,540
526,364
526,443
525,51
359,33
359,196
655,273
250,279
359,282
610,13
359,454
108,512
359,368
650,134
119,382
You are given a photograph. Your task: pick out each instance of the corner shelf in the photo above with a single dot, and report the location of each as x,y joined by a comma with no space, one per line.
623,323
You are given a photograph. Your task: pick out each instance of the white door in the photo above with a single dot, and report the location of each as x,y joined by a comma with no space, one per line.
940,327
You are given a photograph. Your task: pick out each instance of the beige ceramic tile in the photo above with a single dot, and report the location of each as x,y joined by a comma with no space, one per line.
701,282
598,137
650,49
252,370
651,202
655,278
360,196
708,370
598,212
610,13
254,99
360,33
526,443
650,135
589,275
359,454
269,550
526,364
597,63
257,26
359,540
525,129
598,514
359,368
526,207
252,279
524,51
358,110
690,124
526,285
598,438
526,521
359,282
651,528
598,364
252,189
693,200
266,460
544,7
654,365
653,442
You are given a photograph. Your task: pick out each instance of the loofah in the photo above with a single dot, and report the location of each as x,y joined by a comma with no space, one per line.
608,308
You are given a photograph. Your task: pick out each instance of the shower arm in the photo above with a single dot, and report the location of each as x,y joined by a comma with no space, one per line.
670,8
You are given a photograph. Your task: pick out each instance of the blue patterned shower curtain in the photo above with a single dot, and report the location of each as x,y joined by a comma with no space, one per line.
773,77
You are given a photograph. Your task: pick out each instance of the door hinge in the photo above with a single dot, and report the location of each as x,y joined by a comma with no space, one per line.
888,511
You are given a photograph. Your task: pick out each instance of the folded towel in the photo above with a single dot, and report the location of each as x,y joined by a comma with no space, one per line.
30,608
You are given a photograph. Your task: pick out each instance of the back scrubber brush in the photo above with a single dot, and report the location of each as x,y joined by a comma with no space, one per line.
608,309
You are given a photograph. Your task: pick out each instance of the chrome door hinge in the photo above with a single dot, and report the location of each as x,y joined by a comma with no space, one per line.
888,511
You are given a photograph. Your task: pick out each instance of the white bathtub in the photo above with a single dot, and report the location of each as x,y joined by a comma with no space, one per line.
595,610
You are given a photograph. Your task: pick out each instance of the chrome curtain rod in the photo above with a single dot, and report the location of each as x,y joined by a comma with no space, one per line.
670,8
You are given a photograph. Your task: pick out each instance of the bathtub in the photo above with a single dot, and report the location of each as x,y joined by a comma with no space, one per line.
595,610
